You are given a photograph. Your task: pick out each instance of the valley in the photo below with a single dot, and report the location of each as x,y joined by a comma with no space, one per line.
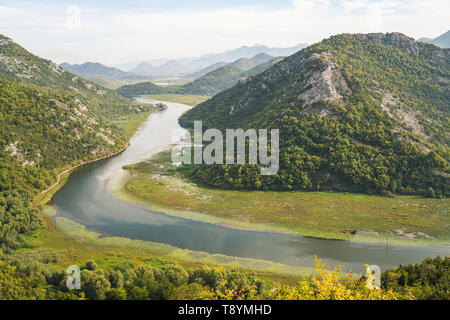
86,176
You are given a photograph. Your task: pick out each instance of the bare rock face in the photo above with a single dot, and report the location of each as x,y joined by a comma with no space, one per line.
326,83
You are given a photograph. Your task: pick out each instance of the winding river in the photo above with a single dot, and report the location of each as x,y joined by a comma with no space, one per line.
87,199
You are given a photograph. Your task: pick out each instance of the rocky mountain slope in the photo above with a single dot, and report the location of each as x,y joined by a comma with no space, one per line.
356,112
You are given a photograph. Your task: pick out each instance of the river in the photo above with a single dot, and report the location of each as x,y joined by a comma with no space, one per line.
87,199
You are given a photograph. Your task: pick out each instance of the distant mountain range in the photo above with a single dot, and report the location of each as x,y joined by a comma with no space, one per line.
228,75
219,79
207,70
242,63
171,67
95,70
185,66
442,41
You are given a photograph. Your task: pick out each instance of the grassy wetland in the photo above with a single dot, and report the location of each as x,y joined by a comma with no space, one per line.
407,220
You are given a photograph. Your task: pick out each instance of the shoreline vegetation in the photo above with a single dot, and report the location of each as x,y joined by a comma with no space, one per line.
71,169
159,186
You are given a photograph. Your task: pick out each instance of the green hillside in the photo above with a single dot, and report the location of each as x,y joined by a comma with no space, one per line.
50,120
363,113
17,64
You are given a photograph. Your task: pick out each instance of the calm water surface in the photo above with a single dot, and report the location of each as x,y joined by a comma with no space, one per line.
86,199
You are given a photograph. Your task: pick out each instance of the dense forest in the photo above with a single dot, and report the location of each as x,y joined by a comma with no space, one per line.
41,279
360,113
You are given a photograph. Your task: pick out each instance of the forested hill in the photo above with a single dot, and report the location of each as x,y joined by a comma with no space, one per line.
17,64
50,120
365,113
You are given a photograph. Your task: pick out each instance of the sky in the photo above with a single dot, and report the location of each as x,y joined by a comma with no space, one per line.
113,32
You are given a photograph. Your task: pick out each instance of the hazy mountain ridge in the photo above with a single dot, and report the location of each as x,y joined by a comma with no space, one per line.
50,120
209,84
207,70
442,41
358,89
94,70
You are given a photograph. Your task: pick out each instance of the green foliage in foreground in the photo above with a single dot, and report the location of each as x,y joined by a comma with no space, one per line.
166,280
350,143
427,280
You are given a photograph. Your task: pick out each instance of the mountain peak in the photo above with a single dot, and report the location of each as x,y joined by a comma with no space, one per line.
394,39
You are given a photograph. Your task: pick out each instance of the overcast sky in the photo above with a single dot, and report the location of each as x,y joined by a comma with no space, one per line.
108,32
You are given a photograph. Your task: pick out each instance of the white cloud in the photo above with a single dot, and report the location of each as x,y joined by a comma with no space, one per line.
137,34
8,11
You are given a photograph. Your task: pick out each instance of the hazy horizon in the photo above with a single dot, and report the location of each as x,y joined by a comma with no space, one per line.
118,33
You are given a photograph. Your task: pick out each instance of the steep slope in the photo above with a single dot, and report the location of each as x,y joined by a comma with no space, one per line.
17,64
355,113
50,120
442,41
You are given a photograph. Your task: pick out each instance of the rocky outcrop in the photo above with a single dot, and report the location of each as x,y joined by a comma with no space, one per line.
394,39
